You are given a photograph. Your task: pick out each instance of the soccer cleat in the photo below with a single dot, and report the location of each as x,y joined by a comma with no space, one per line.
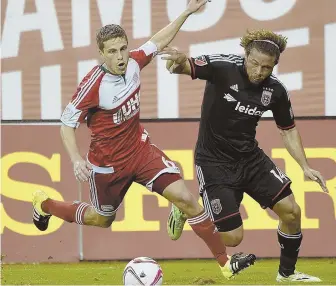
40,218
297,277
236,263
175,223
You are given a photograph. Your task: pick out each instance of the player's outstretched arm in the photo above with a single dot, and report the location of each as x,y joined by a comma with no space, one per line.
162,38
284,117
293,143
177,62
81,167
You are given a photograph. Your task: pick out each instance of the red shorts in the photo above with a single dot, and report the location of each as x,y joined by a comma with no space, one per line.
108,186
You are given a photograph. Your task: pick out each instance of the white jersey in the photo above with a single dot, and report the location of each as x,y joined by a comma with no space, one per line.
111,104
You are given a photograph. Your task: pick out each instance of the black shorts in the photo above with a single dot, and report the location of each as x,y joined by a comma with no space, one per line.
222,187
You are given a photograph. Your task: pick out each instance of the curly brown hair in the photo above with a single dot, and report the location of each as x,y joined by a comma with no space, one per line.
264,41
109,32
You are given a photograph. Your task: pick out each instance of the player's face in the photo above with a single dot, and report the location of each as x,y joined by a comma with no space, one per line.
259,66
115,55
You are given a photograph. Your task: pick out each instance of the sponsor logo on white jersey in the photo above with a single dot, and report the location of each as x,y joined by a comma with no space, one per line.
130,108
248,110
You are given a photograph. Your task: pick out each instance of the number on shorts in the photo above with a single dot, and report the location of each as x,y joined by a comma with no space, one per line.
279,175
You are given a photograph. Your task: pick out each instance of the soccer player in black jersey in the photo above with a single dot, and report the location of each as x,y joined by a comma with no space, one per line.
228,160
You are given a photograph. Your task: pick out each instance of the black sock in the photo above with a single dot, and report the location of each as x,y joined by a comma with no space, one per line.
290,246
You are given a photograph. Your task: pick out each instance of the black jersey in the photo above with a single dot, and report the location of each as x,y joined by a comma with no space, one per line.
232,107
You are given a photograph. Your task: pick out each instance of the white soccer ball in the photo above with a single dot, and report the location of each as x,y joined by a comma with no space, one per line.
143,271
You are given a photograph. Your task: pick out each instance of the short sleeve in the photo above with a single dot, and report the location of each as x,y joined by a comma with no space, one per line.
212,67
201,68
282,110
144,54
85,97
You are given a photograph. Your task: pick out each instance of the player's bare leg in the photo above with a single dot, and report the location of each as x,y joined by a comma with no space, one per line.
79,212
200,222
290,237
234,237
91,217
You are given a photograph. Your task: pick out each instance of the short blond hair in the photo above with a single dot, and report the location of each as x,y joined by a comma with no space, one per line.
264,41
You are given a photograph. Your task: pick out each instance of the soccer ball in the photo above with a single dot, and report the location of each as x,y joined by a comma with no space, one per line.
143,271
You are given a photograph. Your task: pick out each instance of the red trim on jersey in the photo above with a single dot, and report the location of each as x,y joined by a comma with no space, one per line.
192,67
88,84
141,58
286,128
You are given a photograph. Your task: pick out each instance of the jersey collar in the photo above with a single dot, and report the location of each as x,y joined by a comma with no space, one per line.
114,76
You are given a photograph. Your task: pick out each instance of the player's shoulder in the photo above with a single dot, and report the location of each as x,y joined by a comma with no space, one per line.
96,69
148,48
132,60
226,59
278,86
94,75
133,65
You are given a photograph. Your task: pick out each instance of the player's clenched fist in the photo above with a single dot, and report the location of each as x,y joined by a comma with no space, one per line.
82,170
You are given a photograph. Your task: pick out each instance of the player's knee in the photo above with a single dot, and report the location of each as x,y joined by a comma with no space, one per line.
95,219
288,210
232,239
188,204
292,215
185,199
105,221
179,195
231,230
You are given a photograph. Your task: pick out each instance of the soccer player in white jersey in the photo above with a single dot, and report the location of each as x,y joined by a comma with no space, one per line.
120,153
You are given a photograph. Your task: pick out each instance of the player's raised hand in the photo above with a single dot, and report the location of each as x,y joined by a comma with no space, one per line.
173,57
317,177
195,5
173,54
82,170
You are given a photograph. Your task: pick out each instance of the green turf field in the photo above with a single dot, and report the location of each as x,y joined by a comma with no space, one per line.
192,272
